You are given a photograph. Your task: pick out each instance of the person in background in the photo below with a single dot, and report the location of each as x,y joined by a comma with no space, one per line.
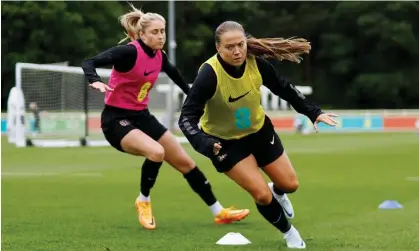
33,107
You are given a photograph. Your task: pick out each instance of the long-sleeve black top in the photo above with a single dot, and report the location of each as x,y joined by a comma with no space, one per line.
204,88
123,58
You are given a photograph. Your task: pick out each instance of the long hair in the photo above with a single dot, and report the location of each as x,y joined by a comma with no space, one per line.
290,49
135,21
131,24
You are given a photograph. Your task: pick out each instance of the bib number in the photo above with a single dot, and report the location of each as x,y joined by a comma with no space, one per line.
143,92
242,116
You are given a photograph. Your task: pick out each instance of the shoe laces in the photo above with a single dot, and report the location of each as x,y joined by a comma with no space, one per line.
231,208
283,199
230,211
145,209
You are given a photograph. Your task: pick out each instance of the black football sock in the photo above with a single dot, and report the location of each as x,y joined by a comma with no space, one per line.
273,214
278,191
200,185
149,173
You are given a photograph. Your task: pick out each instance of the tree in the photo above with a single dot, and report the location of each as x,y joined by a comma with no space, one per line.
364,54
370,51
48,32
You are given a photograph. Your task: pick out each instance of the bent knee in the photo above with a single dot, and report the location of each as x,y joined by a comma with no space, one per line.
188,164
262,196
184,165
157,154
291,186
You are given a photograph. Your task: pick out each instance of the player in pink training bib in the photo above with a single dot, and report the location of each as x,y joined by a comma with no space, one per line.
126,121
130,89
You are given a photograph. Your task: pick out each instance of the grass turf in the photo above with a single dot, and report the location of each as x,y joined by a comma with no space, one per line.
83,198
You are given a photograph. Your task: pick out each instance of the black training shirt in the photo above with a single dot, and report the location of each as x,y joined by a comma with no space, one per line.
123,58
204,88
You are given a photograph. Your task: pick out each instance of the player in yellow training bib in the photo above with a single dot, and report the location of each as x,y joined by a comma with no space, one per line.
235,132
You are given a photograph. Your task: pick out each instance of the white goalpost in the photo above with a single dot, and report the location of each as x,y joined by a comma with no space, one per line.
52,106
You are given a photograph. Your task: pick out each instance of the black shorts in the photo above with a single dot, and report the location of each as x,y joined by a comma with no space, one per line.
265,146
117,122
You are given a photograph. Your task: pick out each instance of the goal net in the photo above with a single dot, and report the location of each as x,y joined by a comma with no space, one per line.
58,108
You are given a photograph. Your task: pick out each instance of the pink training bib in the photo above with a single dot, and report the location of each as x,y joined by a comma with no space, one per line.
131,88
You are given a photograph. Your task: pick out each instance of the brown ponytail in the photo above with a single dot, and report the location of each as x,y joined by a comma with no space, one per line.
278,48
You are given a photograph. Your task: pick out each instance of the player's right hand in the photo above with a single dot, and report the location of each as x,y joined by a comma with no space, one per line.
217,148
210,146
100,86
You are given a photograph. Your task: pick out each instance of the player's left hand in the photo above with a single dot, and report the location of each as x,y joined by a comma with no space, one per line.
327,118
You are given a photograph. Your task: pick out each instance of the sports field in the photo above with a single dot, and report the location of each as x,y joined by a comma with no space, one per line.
83,199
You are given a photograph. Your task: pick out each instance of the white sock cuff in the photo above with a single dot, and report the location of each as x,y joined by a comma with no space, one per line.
143,198
216,208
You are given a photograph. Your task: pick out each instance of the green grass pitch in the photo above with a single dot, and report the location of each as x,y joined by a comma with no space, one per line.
83,199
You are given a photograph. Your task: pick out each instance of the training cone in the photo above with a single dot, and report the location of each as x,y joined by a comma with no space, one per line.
390,204
233,239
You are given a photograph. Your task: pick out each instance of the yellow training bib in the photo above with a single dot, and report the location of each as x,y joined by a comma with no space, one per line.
235,109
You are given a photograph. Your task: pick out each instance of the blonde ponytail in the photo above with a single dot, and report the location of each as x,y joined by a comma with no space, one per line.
136,21
131,23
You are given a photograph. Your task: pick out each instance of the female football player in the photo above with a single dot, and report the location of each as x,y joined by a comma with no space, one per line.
235,132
